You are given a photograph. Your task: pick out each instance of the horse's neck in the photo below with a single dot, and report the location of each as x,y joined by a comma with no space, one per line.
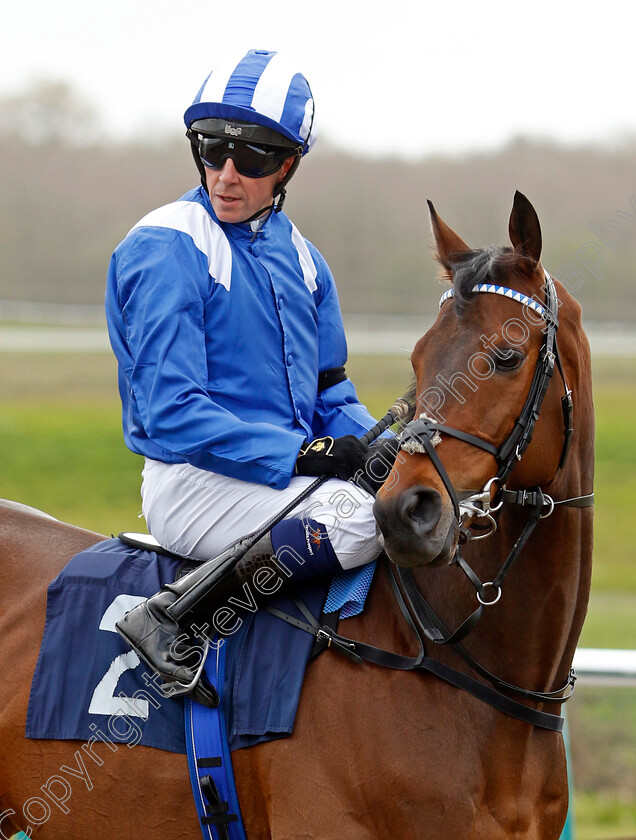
545,596
382,623
567,542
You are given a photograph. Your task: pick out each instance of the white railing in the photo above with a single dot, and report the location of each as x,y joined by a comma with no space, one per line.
599,666
39,327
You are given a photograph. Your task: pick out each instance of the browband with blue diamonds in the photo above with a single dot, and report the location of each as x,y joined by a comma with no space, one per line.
509,293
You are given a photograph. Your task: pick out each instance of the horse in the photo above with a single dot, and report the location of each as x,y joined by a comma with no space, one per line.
391,752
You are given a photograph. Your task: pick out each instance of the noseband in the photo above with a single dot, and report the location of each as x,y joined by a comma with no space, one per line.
423,434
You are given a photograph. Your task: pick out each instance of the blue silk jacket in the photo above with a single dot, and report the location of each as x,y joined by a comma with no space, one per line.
220,334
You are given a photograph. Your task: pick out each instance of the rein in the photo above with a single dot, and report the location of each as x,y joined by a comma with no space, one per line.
358,652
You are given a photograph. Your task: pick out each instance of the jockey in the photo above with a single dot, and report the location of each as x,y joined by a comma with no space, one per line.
228,334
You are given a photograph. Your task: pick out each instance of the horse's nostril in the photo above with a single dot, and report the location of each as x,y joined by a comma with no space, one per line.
421,509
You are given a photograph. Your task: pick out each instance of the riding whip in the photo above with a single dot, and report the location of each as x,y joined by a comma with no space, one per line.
227,560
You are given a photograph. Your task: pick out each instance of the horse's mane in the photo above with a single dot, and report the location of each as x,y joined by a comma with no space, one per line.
488,265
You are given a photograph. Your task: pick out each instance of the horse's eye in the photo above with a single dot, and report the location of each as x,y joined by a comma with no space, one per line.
509,360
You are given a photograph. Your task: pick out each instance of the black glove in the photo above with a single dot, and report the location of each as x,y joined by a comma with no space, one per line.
378,464
343,457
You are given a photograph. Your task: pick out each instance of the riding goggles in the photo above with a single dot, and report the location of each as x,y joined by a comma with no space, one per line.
250,159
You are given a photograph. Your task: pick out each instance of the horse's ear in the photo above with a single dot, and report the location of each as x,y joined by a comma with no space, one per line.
446,240
524,228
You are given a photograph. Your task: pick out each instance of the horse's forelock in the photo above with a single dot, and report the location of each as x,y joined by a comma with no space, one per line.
488,265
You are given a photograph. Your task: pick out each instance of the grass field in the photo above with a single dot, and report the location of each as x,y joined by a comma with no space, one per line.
63,452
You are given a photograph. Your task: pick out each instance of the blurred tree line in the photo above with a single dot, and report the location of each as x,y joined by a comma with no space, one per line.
69,194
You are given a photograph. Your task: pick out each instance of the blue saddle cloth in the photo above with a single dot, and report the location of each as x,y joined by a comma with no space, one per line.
89,684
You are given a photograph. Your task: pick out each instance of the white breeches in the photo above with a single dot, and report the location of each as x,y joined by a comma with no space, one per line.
197,513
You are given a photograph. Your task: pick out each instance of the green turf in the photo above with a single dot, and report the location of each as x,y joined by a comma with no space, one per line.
69,460
615,485
602,817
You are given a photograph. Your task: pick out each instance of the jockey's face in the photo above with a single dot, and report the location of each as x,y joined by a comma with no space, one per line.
236,197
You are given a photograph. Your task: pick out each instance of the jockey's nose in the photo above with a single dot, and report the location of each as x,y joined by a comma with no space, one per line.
228,173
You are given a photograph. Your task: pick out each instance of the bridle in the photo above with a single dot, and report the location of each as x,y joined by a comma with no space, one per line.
423,434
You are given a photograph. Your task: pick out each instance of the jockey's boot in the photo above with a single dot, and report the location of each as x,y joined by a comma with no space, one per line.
206,602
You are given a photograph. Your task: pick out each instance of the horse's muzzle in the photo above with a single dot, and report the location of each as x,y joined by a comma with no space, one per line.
417,528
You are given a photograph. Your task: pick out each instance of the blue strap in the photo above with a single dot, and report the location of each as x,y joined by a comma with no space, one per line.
210,763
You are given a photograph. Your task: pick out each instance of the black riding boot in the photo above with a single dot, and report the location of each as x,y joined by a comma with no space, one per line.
157,629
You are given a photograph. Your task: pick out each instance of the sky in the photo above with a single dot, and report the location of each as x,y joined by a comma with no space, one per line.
409,78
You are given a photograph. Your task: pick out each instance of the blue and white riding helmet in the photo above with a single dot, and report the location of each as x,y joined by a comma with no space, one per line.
258,96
